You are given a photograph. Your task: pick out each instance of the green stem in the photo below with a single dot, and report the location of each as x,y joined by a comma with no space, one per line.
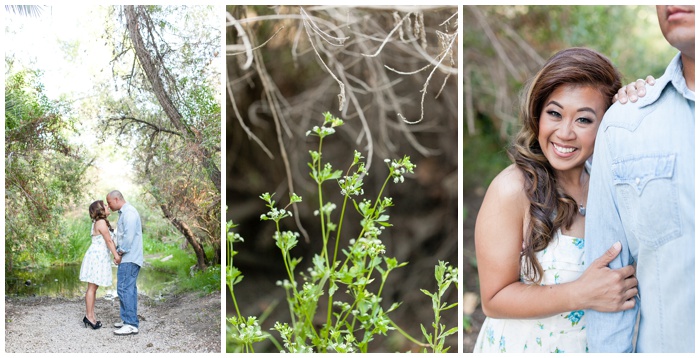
437,326
335,257
285,254
230,287
340,227
291,278
324,235
373,213
235,304
380,192
408,336
384,277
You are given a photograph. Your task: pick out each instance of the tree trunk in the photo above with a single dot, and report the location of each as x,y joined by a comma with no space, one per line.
189,235
151,70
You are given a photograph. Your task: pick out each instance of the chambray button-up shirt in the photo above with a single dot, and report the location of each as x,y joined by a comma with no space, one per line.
642,193
129,235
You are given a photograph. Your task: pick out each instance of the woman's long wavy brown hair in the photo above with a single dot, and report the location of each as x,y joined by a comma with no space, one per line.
97,212
550,207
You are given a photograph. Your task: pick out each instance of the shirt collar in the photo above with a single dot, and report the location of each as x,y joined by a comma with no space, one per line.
675,71
673,76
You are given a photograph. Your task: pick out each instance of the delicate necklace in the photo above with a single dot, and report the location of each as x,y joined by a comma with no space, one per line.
581,207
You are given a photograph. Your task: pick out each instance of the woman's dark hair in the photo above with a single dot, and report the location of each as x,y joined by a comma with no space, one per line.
550,207
97,212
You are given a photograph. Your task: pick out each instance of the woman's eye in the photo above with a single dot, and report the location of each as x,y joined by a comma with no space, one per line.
584,120
554,114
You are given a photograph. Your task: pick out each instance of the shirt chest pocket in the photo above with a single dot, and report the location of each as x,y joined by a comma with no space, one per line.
648,197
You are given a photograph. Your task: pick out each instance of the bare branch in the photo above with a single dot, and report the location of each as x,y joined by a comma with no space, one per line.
425,85
244,37
396,27
341,95
127,120
247,130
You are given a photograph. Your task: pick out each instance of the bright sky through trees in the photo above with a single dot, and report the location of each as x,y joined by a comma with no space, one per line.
66,44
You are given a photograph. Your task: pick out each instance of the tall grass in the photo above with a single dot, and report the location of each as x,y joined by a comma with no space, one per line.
65,245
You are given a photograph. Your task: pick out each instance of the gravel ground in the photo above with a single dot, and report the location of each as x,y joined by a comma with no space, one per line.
179,324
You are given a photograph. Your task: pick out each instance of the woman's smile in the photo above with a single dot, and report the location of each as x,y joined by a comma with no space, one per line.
563,150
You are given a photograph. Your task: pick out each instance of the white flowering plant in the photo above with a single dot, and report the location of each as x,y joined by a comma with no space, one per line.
354,312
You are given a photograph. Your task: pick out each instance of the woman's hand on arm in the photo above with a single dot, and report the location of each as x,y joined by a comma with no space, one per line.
604,289
633,90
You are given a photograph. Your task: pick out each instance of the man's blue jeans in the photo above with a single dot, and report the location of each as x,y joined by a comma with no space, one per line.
127,273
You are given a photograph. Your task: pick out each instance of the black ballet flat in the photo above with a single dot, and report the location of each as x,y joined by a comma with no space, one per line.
87,322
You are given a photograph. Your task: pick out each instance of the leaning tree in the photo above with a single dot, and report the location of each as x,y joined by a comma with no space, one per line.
167,109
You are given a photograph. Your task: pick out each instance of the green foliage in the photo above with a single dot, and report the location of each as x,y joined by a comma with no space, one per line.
484,156
78,233
169,257
445,276
65,245
636,52
467,323
345,284
205,282
43,170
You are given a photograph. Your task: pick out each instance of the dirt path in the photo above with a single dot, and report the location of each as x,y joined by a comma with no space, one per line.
187,323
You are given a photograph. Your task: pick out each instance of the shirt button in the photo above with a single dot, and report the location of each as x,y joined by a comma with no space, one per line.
637,181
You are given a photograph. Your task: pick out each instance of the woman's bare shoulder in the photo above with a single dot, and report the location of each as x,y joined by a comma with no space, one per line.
508,184
99,224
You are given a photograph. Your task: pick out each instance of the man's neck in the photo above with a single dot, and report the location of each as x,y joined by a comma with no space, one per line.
689,71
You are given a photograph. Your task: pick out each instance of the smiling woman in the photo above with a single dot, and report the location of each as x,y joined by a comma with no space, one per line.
529,230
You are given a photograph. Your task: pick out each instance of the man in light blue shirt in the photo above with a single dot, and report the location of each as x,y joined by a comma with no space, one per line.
642,193
130,247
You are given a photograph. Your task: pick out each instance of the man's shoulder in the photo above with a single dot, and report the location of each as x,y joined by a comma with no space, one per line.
658,99
630,115
130,209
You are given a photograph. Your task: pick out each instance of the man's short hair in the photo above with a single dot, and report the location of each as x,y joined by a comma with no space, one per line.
115,194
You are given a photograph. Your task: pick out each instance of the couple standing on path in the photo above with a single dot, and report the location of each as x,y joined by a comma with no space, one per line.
126,246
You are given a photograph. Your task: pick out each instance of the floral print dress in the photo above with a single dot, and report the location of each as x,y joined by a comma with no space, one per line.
97,265
562,261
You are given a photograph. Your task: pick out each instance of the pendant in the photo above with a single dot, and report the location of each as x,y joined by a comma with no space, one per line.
582,210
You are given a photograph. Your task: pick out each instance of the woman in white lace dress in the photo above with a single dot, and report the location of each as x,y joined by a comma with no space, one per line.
530,228
96,268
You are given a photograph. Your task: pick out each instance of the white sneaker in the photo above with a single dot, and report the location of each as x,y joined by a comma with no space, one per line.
119,324
126,330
